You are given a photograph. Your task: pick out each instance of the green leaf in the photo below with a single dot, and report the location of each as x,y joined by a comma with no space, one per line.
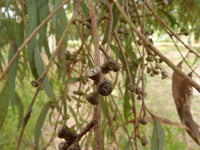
4,101
19,34
40,69
74,116
158,136
32,24
39,123
73,80
103,106
20,106
85,9
43,13
126,104
12,76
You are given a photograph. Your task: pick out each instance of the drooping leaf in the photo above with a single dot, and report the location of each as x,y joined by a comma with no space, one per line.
40,123
126,102
4,101
40,69
43,13
20,107
85,9
73,80
158,136
103,106
12,76
74,116
32,24
182,91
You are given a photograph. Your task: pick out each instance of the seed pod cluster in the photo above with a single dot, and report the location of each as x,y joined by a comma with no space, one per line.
68,134
140,93
110,66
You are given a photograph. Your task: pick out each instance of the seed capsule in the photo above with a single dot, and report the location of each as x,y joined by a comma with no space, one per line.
35,83
144,141
94,74
105,87
63,146
66,133
110,66
143,121
93,98
132,88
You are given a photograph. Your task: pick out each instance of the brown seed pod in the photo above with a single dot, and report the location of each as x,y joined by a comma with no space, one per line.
66,133
117,67
164,74
105,87
121,30
110,66
94,74
35,83
92,98
143,121
144,141
63,146
138,91
132,88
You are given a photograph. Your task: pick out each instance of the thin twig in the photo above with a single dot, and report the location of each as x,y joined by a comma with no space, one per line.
84,41
30,37
26,118
131,82
123,123
184,58
112,125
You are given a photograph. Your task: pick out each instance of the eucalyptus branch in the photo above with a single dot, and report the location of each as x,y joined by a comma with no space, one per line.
97,108
155,50
30,37
168,28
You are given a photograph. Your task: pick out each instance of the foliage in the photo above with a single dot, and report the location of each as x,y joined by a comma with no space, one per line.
54,55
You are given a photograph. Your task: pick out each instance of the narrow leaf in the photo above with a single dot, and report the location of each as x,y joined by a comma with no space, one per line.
43,13
158,136
39,123
4,101
32,24
12,76
85,9
20,107
40,69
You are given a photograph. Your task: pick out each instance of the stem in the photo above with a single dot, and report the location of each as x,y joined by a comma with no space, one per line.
97,108
155,50
131,82
30,37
